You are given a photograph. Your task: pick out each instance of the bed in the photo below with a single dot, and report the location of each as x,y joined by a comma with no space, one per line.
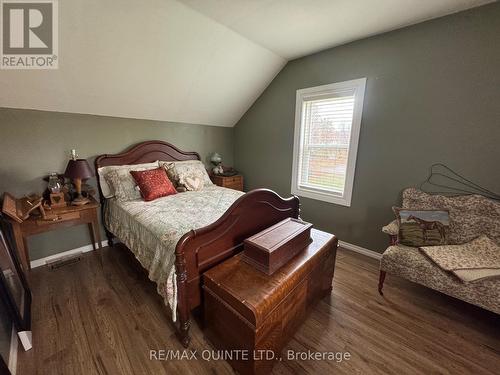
177,238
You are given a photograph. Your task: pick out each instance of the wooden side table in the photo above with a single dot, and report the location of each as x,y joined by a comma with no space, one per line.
65,217
233,182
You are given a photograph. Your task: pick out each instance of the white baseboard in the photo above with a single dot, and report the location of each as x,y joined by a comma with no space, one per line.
12,365
360,250
42,261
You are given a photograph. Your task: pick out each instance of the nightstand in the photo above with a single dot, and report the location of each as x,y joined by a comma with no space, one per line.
65,217
233,182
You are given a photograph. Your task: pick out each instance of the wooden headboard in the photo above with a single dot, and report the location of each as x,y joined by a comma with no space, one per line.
144,152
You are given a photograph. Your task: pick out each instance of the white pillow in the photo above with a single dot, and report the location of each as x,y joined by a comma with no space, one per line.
107,191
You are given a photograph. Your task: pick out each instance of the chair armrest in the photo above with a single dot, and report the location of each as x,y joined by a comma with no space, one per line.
392,230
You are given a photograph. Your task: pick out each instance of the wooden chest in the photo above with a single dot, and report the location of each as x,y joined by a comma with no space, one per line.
273,247
247,311
232,182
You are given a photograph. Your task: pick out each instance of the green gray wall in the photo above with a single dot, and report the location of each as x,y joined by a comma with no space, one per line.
432,95
34,143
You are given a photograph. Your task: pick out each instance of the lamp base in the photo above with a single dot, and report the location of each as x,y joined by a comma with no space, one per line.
79,201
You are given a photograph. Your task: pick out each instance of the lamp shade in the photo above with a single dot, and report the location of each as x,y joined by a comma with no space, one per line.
78,168
216,158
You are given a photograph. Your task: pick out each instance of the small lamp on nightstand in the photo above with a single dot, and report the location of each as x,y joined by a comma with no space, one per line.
216,160
78,170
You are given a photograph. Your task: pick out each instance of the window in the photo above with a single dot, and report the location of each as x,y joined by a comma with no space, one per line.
327,124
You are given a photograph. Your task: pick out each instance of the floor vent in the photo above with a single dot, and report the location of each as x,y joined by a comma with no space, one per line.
64,261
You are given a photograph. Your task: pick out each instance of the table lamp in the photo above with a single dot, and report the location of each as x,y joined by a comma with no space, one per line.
78,170
216,160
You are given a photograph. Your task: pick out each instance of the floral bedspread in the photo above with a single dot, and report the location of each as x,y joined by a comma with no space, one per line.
151,230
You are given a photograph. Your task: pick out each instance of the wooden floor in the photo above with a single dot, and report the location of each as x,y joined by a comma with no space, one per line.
102,316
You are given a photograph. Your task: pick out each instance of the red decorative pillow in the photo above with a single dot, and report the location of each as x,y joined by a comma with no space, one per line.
154,183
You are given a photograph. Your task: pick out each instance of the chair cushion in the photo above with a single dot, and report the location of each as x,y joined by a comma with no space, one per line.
411,264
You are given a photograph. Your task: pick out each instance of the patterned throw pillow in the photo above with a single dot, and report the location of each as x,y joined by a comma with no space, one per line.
179,171
422,227
153,183
123,185
192,182
171,172
106,189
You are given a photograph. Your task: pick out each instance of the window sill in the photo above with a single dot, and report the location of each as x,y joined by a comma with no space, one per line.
341,201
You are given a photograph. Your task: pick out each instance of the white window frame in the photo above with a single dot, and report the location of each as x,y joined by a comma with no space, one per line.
324,92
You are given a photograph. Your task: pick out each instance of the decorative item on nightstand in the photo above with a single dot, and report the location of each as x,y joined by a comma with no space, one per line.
216,160
55,190
78,170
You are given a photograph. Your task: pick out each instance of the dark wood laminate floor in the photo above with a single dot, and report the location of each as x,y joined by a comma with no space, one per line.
102,316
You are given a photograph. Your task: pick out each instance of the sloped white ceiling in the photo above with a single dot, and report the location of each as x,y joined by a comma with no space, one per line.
193,61
148,59
294,28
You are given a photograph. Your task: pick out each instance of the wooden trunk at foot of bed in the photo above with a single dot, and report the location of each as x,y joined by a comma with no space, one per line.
201,249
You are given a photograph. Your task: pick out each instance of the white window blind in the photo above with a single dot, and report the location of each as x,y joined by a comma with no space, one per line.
326,137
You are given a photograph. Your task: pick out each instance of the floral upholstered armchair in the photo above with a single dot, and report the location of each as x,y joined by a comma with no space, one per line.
474,232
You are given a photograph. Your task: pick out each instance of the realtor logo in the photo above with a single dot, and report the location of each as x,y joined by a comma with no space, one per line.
29,34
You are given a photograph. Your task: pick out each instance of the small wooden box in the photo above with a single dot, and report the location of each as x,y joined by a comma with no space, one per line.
57,200
249,312
273,247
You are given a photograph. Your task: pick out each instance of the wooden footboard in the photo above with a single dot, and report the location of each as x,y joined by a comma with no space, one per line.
201,249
